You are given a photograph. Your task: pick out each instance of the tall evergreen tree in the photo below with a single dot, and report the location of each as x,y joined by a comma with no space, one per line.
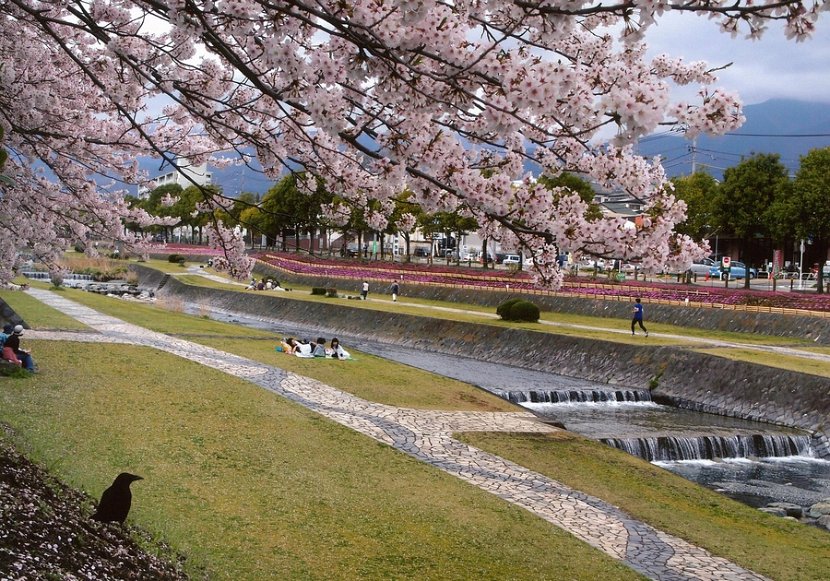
742,206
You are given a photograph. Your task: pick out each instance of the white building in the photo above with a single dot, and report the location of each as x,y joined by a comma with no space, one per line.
184,176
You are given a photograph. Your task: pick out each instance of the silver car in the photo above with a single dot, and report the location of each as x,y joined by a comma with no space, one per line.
702,267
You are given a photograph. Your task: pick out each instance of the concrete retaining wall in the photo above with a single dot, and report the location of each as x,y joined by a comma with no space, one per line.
685,378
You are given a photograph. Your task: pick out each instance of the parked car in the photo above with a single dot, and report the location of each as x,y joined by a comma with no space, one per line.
512,259
736,270
421,252
598,263
702,267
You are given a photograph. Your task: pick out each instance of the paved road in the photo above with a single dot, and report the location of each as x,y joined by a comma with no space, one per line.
428,436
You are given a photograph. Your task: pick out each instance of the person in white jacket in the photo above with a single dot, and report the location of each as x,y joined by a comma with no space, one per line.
337,352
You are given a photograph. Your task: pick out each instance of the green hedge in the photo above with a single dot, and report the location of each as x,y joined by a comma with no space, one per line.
504,309
518,310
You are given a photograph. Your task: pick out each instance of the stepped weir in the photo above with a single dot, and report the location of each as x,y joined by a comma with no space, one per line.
672,448
578,396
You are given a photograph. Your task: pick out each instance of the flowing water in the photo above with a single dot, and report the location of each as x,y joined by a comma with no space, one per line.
753,462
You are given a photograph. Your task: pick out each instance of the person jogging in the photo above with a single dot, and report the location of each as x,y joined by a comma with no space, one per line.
638,317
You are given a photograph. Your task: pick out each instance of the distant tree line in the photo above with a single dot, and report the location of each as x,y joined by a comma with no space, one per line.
758,200
286,212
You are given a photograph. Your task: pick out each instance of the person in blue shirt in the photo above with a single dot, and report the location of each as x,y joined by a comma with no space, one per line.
638,317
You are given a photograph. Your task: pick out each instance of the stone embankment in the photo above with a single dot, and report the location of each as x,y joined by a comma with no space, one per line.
677,376
715,319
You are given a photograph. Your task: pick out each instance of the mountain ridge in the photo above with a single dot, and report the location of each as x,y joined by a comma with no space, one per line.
790,128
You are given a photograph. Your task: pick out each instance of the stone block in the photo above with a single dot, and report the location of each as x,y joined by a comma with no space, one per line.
774,511
820,509
791,509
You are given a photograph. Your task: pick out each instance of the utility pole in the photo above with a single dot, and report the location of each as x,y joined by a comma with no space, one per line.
693,150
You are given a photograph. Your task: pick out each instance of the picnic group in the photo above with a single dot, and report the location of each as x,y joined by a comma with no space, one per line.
305,348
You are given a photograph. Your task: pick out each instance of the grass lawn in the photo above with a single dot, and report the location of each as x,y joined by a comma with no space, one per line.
780,549
368,377
777,360
318,498
37,315
250,486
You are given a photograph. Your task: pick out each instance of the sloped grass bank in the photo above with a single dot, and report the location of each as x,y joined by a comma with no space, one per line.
777,548
368,377
37,315
251,486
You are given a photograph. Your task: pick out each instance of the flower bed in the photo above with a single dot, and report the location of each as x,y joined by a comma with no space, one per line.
185,249
573,286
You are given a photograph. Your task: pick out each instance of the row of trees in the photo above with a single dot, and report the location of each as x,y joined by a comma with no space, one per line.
758,199
286,211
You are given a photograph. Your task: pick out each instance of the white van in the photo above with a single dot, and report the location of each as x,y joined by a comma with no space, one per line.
511,259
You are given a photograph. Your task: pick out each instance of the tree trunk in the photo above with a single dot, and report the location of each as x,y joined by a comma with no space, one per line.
821,263
484,264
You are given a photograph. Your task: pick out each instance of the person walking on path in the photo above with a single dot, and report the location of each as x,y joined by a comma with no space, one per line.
394,288
364,291
638,317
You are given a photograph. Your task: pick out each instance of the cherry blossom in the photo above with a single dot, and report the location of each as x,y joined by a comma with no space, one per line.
448,101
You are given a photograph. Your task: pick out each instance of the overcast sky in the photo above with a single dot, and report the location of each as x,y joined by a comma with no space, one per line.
770,68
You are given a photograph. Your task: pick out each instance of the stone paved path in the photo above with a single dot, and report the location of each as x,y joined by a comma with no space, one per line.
427,436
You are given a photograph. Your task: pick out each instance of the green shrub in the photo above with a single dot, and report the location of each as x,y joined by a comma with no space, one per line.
524,311
176,258
518,310
331,292
503,309
318,290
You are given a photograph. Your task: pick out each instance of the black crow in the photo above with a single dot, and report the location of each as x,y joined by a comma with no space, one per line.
116,500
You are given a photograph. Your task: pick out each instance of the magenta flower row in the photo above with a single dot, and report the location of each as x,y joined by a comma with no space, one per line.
439,274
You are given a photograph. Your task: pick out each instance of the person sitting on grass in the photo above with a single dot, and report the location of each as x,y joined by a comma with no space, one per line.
303,349
319,348
8,353
336,351
287,345
13,343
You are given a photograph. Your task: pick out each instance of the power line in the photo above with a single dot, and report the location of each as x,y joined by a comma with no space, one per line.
777,134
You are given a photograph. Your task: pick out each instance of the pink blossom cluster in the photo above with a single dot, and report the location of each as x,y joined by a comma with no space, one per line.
446,100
